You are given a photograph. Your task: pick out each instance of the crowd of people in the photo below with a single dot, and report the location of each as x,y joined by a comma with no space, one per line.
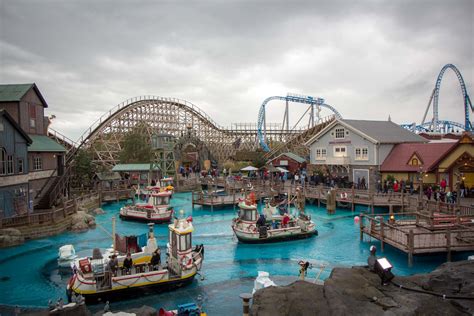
302,177
437,192
127,265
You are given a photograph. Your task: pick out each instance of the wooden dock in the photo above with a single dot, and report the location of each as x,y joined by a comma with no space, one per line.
116,195
441,230
216,200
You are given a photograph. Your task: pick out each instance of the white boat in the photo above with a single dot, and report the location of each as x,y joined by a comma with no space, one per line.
274,229
165,184
157,210
66,256
94,279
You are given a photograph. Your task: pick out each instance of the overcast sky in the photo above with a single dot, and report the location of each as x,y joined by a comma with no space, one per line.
368,59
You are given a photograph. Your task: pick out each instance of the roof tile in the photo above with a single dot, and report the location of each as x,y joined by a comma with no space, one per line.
429,153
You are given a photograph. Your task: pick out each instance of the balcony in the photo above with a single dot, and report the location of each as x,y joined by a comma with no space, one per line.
338,160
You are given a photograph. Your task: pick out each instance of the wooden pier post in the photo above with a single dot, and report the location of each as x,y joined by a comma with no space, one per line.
382,226
411,246
319,197
403,201
372,194
353,197
448,245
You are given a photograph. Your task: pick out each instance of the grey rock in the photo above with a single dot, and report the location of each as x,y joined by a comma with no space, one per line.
10,237
81,221
97,211
356,291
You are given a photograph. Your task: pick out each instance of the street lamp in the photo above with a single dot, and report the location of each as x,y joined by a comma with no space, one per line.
420,179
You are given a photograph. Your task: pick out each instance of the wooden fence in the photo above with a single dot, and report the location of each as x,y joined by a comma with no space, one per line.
66,208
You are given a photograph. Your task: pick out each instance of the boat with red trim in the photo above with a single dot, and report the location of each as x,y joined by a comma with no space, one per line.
252,227
96,278
157,210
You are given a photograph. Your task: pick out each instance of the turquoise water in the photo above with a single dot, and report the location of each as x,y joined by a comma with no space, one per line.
29,277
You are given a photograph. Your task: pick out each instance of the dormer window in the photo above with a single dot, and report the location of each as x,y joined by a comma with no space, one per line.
339,133
415,160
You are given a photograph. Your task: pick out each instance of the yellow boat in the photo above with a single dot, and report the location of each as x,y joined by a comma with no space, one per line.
94,279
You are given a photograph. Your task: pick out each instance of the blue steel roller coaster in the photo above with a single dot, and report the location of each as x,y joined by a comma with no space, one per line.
436,124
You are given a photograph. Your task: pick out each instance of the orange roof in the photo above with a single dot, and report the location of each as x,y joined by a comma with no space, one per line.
429,154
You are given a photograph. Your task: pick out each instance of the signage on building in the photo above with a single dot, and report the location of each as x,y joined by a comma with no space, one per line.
283,162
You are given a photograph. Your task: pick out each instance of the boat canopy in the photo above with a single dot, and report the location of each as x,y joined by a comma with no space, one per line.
181,226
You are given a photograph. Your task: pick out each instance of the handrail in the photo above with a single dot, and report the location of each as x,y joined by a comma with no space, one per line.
61,136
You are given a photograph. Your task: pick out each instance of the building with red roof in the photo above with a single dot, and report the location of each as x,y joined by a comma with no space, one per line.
434,161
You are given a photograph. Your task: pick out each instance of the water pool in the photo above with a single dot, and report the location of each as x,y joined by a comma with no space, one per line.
28,274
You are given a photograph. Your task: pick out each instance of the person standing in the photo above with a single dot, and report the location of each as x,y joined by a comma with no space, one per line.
128,263
463,188
155,261
442,184
372,258
113,264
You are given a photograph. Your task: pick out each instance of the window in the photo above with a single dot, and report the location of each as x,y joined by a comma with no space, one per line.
32,116
320,153
340,151
20,165
38,163
3,161
248,215
10,169
414,162
362,153
184,242
339,133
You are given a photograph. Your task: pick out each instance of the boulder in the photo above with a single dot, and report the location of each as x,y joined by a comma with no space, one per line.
298,298
356,291
81,221
97,211
10,237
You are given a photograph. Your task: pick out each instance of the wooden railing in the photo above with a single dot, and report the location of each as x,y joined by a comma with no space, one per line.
66,208
404,234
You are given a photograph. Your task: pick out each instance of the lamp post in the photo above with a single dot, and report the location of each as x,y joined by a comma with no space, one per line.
420,180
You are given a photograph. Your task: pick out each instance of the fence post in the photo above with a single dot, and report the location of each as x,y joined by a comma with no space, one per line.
411,247
353,196
403,201
372,200
448,245
319,197
382,226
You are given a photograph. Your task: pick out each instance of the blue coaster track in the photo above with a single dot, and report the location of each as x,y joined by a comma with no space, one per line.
318,102
436,124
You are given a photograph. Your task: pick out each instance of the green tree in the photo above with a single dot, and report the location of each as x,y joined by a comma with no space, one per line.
84,169
259,161
136,148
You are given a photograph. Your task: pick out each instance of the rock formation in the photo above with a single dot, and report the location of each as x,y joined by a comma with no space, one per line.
356,291
10,237
81,221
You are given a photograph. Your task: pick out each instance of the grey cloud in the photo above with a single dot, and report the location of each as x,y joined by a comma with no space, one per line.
369,59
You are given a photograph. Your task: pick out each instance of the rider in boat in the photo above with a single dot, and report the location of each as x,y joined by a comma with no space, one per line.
128,263
156,259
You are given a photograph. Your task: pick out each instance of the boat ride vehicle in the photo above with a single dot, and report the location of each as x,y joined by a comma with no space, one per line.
252,227
66,256
157,210
106,278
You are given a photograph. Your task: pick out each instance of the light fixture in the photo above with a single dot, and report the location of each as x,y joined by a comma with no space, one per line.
383,269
